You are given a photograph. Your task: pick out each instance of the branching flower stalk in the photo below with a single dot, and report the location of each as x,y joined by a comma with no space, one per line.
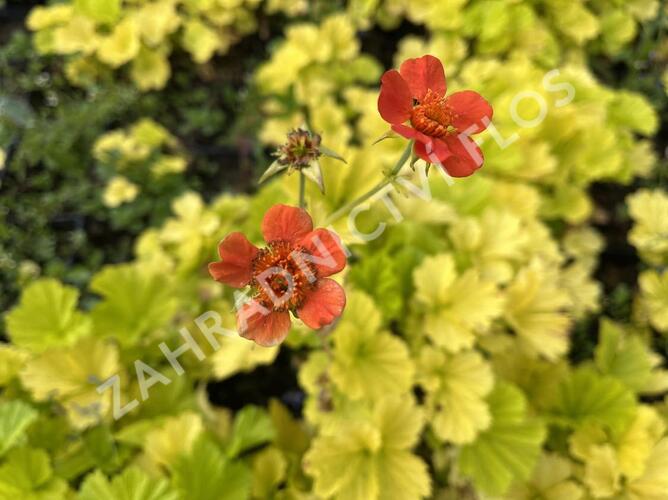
301,153
390,177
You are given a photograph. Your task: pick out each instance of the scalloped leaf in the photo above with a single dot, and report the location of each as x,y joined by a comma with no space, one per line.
47,316
71,376
15,417
586,397
368,363
131,484
27,474
136,302
252,427
205,474
102,11
368,457
624,357
509,449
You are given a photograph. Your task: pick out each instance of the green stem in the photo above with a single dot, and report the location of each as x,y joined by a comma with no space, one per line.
302,190
389,178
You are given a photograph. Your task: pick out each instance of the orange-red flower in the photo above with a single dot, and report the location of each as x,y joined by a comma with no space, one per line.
288,275
441,126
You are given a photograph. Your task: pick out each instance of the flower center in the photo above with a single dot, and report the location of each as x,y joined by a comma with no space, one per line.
280,277
432,116
301,148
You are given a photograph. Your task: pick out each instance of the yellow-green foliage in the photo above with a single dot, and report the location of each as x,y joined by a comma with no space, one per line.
102,35
448,372
145,151
545,30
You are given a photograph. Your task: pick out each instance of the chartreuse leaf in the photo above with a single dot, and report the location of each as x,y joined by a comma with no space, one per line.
252,427
343,465
654,297
634,466
291,436
131,484
586,397
49,432
15,417
635,446
47,316
575,21
552,479
368,457
200,40
205,474
102,11
171,399
27,474
150,69
156,21
653,483
134,434
136,302
12,360
456,387
99,444
624,357
71,376
649,210
121,45
378,277
535,310
457,307
602,475
399,422
633,110
610,466
313,377
236,355
368,363
508,450
269,468
175,437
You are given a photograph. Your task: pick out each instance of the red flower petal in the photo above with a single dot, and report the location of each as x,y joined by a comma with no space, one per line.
394,101
470,109
422,74
323,305
236,254
403,130
326,248
466,156
282,222
264,329
433,151
411,133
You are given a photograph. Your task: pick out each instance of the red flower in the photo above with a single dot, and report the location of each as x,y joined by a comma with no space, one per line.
289,274
440,125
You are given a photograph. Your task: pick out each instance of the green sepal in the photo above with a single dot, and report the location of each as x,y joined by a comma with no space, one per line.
314,173
387,135
331,154
274,168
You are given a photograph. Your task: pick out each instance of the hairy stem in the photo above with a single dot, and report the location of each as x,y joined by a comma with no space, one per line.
302,190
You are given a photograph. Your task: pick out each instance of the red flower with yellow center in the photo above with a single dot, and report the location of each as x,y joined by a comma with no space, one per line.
288,275
441,126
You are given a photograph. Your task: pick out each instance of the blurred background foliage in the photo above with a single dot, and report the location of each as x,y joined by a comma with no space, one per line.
507,339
